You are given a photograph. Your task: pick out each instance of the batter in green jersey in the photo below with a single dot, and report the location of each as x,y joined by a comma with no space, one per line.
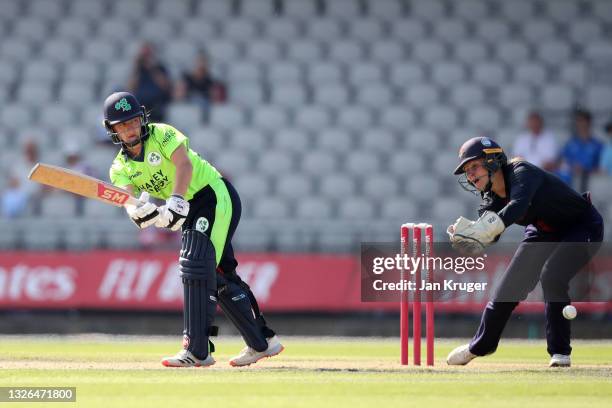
154,170
155,160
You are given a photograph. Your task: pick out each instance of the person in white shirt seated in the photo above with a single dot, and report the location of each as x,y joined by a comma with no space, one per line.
537,145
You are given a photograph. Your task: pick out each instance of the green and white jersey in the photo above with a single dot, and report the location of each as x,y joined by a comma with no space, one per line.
154,170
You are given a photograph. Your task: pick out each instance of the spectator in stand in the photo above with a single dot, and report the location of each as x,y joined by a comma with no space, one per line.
580,155
606,156
537,145
21,168
73,160
14,198
200,87
150,82
98,132
18,182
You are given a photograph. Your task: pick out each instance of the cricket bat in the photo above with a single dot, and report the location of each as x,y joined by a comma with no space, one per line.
81,184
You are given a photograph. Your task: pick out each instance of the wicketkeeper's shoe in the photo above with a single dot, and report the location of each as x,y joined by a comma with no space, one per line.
249,356
560,360
184,358
460,356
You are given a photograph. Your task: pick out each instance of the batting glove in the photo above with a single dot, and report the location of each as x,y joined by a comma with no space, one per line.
173,214
143,214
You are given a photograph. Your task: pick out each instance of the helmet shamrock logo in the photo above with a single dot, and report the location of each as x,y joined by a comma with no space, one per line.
123,105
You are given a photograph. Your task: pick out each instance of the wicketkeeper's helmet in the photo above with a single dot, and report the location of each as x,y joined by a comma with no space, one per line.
480,148
120,107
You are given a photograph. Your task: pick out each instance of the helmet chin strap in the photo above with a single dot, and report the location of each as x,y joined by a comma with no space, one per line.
489,185
132,144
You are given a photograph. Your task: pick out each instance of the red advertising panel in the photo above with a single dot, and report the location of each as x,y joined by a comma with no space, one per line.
145,280
150,281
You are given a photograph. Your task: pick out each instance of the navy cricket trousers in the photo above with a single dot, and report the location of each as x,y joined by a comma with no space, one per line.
554,264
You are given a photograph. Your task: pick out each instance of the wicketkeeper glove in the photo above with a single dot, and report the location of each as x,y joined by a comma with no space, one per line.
144,214
473,236
173,214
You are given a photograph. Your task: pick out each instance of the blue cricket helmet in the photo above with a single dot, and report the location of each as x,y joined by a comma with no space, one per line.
481,148
120,107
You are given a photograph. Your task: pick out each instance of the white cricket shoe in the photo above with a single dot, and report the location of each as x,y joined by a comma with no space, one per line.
184,358
460,356
249,356
560,360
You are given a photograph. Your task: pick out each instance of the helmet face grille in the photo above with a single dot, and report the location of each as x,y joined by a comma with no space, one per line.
466,185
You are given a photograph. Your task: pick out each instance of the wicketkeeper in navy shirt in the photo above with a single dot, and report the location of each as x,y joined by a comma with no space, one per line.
555,217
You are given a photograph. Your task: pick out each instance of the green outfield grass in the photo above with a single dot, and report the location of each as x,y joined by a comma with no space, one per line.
312,372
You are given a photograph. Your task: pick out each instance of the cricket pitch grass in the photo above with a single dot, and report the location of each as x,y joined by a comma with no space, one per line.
125,371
